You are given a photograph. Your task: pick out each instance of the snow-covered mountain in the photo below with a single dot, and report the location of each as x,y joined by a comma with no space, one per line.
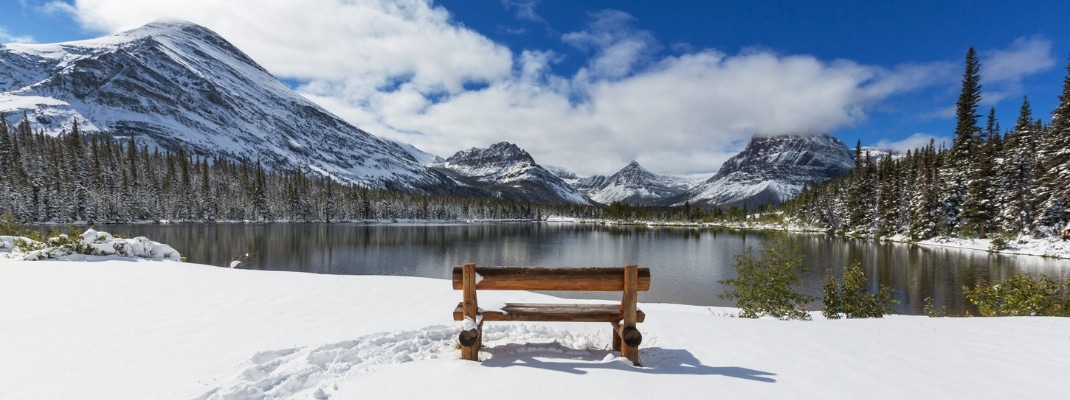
174,84
772,170
635,185
506,171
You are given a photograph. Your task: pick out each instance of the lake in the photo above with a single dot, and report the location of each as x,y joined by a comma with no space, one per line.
686,263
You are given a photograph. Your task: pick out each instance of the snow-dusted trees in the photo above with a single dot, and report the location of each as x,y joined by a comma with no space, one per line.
984,183
97,178
1053,185
1015,179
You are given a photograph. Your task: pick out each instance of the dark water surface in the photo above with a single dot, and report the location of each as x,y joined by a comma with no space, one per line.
686,263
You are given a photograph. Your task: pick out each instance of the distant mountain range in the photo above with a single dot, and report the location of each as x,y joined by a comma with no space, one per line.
177,85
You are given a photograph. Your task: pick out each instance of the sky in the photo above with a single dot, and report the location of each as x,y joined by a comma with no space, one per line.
589,85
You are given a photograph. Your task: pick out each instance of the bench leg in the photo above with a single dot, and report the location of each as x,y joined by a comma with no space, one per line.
471,339
471,343
629,336
627,339
616,336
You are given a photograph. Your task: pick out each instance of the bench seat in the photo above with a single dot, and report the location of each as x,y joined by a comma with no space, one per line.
552,312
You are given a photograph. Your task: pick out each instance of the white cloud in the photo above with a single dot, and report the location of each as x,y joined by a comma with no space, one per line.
57,7
8,37
1025,56
375,42
617,47
1002,70
400,69
525,9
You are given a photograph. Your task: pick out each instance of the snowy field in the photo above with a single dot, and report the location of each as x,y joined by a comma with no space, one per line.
107,327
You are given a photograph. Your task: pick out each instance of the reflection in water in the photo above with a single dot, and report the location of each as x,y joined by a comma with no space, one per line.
686,262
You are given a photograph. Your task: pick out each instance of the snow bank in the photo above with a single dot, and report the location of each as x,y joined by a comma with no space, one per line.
137,329
91,243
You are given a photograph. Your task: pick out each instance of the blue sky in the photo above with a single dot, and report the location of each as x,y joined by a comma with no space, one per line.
589,85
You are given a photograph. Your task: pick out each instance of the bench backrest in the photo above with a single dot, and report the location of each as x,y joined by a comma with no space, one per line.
541,278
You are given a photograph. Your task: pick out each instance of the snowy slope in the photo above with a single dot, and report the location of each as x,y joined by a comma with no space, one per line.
506,171
772,170
174,85
633,184
122,329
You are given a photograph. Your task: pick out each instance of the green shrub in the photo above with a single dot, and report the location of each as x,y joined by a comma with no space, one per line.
930,310
1021,295
764,286
999,242
851,300
9,226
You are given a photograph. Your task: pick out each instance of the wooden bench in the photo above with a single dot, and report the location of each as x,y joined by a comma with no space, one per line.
628,280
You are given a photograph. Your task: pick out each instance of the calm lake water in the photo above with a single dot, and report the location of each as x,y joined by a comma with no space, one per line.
686,263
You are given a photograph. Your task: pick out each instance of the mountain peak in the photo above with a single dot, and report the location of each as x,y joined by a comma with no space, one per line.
812,152
499,154
167,25
507,171
174,84
772,169
635,185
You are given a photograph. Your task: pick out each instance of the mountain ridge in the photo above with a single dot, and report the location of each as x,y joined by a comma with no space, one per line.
633,184
174,84
506,171
771,170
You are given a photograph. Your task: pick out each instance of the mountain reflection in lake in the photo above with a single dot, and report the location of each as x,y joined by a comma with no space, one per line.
686,263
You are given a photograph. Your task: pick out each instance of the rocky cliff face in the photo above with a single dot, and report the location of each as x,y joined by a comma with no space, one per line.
179,85
771,170
506,171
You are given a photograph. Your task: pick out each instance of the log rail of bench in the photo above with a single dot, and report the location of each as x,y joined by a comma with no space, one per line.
606,279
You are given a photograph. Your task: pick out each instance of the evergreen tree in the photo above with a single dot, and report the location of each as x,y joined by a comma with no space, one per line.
6,161
923,205
966,116
1016,179
858,193
1053,186
888,198
977,208
992,137
954,178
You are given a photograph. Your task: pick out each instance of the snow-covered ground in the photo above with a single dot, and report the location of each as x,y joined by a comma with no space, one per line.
133,328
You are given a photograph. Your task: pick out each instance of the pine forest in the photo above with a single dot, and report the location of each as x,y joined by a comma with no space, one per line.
988,183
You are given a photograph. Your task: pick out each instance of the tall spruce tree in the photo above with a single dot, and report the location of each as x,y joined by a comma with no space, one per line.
954,177
1053,186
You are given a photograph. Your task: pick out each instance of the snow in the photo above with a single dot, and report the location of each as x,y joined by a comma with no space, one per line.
133,328
92,243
